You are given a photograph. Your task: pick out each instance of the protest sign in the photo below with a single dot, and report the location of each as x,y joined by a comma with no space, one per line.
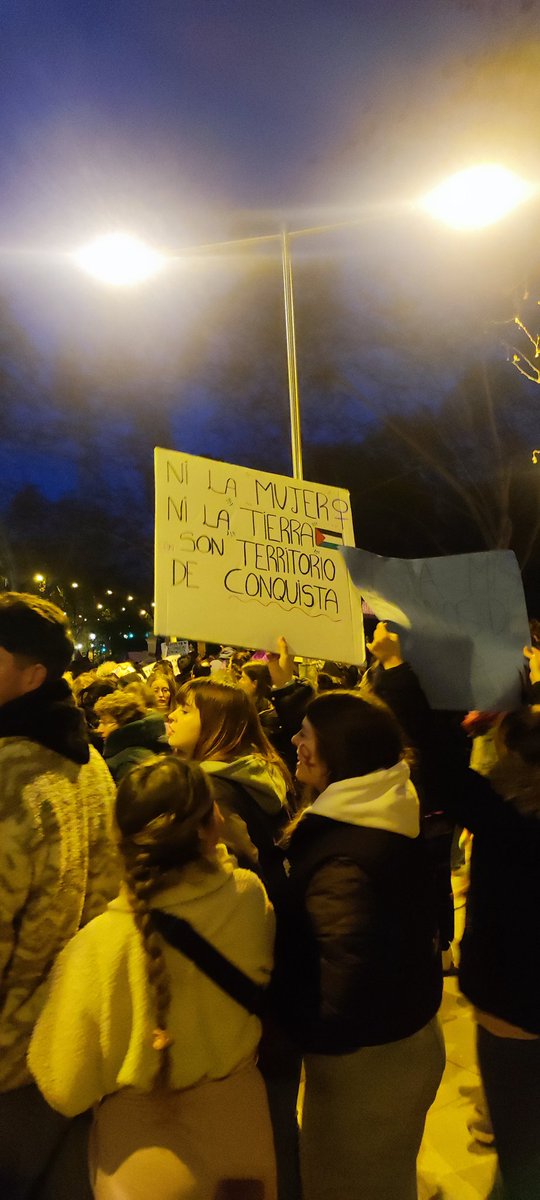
462,622
244,556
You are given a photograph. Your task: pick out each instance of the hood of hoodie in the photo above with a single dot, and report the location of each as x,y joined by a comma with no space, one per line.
382,800
262,780
50,717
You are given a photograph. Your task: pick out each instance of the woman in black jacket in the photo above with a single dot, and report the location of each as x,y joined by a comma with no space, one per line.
359,977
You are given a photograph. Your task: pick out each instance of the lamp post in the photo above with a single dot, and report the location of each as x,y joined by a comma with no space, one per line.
468,200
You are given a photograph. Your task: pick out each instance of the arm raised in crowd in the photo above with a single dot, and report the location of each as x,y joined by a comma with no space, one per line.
395,682
290,696
466,797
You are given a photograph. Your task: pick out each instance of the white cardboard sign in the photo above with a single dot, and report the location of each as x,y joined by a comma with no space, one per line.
242,556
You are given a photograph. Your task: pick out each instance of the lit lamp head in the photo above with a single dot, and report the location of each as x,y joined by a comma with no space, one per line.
477,197
119,260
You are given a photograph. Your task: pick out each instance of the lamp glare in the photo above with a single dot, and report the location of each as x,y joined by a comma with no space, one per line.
119,260
477,197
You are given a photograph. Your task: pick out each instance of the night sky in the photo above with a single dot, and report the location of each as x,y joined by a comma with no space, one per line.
194,121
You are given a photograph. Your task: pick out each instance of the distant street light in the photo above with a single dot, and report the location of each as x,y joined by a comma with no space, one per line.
470,199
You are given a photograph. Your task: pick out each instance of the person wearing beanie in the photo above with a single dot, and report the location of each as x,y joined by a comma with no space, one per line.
58,869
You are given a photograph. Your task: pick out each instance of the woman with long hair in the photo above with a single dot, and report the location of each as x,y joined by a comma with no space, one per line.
163,687
133,1026
217,725
359,978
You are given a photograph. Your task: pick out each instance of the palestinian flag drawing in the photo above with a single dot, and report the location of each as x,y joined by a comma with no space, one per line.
328,539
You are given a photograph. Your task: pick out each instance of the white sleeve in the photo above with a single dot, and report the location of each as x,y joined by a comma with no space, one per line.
65,1055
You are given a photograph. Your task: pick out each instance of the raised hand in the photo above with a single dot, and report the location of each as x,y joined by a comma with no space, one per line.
281,665
385,646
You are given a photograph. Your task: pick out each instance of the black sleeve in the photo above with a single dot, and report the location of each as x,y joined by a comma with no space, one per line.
339,903
436,737
401,691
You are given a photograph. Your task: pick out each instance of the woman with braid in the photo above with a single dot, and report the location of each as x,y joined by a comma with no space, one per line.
136,1029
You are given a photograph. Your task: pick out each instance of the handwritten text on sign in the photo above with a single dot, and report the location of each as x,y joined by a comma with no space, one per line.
242,556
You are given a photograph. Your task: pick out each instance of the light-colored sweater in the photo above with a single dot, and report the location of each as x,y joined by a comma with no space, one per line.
95,1033
58,869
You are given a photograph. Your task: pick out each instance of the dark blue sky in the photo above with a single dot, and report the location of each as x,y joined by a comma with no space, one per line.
154,110
189,121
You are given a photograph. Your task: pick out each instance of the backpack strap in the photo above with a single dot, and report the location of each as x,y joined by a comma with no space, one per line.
183,937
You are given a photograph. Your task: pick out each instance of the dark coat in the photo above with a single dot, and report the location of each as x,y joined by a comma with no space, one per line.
499,968
500,951
251,833
357,953
129,745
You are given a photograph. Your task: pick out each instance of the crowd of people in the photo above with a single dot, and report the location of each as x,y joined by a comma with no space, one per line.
218,879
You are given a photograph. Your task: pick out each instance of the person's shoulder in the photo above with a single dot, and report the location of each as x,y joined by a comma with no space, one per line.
110,933
248,885
96,769
25,766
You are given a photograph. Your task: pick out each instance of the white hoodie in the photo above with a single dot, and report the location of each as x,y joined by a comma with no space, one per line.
384,799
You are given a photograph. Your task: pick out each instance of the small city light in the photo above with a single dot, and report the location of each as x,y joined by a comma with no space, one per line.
74,585
78,645
129,597
92,637
123,609
99,606
108,592
39,578
142,612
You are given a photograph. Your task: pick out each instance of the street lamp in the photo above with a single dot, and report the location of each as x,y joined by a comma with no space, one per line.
470,199
476,197
119,259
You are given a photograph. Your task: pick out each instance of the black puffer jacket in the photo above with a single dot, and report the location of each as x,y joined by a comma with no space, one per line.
357,953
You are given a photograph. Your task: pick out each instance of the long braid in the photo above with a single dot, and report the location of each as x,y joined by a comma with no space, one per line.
141,882
160,808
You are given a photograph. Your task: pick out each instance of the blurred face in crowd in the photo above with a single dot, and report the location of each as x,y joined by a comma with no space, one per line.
162,692
106,726
17,677
185,727
310,768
